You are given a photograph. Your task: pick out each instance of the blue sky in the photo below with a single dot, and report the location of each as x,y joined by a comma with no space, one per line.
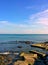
24,16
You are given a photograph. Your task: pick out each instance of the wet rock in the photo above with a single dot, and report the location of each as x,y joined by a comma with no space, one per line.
46,59
21,41
10,64
27,42
19,46
46,42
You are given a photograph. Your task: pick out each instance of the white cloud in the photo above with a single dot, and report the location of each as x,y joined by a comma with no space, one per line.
40,22
3,22
7,23
37,23
39,15
43,21
40,18
9,27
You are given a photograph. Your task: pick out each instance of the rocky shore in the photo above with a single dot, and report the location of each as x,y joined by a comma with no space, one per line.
31,58
41,45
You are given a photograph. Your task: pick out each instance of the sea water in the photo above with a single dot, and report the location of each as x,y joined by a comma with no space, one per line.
7,42
24,37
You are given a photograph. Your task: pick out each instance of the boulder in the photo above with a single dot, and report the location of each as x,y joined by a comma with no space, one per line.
27,42
19,46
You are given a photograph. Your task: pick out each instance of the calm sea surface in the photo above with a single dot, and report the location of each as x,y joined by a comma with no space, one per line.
22,37
13,46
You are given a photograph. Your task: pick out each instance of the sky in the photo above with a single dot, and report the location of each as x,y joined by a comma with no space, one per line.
23,16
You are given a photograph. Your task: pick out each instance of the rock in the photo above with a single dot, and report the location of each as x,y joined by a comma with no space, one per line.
10,64
21,41
28,55
19,46
27,42
20,63
46,42
46,59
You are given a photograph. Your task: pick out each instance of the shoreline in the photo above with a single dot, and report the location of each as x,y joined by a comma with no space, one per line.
22,41
24,58
40,45
34,41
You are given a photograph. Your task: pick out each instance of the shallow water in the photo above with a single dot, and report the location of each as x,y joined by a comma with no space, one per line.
4,47
8,42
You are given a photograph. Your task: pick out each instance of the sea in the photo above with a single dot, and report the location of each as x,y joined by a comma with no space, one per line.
7,42
24,37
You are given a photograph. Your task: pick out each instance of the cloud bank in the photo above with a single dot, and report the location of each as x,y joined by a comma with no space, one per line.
37,24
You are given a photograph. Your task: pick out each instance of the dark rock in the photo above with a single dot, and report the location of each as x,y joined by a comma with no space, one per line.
21,41
27,42
29,64
10,64
46,59
19,46
22,58
46,42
